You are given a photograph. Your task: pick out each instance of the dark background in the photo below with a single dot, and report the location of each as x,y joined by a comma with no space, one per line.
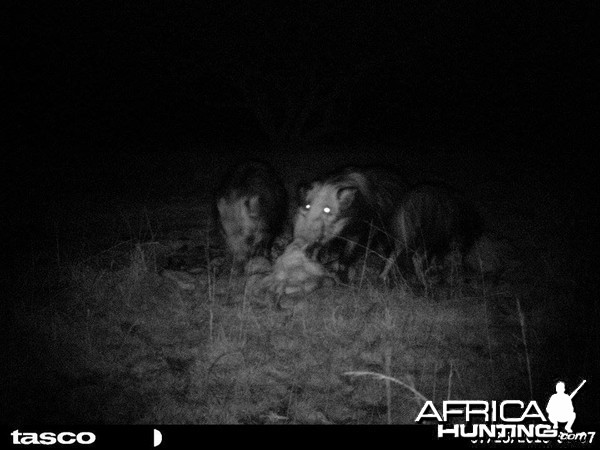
103,97
104,74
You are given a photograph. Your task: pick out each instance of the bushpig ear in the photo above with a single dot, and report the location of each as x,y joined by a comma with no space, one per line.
253,206
346,196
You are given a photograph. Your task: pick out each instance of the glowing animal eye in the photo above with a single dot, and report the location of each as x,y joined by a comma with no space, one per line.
327,210
307,206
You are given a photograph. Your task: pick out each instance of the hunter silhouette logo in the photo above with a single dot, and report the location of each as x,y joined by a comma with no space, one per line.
560,406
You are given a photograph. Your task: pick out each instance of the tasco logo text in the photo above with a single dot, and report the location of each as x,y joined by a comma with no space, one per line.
49,438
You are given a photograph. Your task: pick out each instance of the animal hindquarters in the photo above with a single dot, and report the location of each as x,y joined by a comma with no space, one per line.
430,221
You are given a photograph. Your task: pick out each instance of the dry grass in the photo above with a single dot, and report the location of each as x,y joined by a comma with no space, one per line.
131,346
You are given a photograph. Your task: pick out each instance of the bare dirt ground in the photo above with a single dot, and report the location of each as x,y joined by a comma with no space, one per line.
97,334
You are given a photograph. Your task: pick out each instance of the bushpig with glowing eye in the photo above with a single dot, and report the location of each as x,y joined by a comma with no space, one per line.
341,213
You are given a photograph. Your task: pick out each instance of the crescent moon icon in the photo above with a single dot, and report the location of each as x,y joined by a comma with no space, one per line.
157,437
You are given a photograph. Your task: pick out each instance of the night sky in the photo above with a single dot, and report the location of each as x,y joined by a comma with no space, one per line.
101,73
